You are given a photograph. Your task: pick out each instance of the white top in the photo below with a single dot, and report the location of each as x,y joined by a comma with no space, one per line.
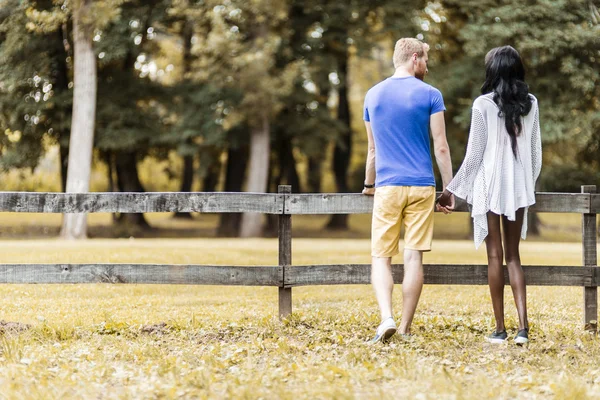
491,178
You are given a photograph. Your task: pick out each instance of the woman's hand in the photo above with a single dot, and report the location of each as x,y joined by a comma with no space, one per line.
445,203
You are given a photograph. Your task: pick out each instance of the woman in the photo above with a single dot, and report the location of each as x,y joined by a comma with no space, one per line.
498,176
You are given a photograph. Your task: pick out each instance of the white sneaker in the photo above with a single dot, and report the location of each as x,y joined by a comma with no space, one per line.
385,330
522,337
497,337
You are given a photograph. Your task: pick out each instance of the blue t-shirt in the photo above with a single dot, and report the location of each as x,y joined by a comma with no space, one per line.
399,110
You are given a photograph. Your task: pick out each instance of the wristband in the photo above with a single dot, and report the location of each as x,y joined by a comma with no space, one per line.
372,186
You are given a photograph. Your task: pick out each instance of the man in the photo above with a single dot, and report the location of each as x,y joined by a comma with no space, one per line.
399,113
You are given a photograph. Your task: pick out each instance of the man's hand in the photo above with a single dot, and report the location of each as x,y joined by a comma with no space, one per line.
445,203
369,191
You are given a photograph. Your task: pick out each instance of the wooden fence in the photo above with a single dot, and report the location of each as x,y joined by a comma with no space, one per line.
285,275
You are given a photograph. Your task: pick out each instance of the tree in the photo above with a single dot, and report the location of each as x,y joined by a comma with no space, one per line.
261,102
239,50
345,29
46,66
183,22
126,122
199,103
35,99
558,42
134,107
84,115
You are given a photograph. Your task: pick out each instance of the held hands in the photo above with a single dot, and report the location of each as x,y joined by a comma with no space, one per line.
445,203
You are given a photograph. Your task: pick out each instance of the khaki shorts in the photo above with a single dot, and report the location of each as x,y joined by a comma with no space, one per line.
394,205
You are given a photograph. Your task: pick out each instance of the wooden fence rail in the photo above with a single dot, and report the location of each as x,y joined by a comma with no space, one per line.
36,202
439,274
229,202
285,275
358,204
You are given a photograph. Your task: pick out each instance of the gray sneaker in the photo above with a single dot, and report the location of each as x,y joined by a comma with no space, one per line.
522,337
385,330
497,337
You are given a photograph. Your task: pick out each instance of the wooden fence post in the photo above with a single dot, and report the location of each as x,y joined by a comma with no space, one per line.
590,259
285,253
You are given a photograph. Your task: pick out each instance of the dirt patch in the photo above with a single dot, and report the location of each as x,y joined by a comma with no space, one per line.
156,329
13,327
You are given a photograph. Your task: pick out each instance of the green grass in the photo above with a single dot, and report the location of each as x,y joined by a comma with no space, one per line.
167,341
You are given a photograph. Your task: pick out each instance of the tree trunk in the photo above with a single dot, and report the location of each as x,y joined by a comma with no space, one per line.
211,179
471,233
533,224
64,162
188,174
237,160
62,86
343,147
314,174
186,183
533,220
128,181
188,161
112,182
210,168
258,172
274,179
287,166
315,160
83,119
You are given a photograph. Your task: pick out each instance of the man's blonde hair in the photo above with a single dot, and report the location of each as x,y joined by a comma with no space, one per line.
406,47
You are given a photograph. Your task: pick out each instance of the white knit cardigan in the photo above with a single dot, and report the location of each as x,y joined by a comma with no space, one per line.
491,177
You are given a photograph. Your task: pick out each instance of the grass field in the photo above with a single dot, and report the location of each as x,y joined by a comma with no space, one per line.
144,341
554,227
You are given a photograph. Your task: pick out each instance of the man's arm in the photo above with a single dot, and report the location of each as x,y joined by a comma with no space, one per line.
370,165
441,148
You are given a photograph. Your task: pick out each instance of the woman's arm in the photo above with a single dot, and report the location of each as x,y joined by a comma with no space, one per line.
536,147
462,184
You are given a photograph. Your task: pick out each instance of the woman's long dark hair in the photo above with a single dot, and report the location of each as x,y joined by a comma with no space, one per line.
505,77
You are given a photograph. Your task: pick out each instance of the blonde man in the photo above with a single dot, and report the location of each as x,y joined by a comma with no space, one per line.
399,113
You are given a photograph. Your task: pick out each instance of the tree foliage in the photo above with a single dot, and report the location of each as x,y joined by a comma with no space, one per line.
196,77
559,42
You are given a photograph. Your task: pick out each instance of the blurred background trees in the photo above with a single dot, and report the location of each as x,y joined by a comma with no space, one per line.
245,95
